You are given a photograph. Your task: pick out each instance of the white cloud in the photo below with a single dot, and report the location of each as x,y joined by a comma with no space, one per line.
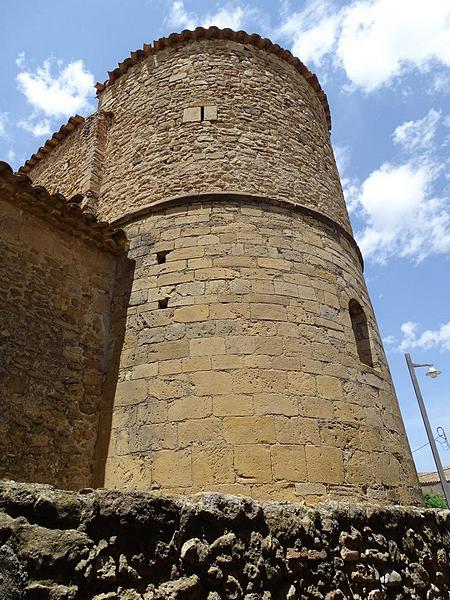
349,184
439,338
374,41
20,60
312,31
402,215
37,128
418,135
225,16
3,124
57,90
441,83
179,17
380,38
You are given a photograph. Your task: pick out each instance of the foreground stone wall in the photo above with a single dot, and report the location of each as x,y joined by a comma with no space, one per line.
55,348
240,371
101,545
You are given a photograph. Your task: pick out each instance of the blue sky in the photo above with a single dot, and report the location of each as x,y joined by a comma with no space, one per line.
385,66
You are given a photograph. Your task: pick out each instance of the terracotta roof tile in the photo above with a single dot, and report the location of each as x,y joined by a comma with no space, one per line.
56,138
200,33
432,477
57,209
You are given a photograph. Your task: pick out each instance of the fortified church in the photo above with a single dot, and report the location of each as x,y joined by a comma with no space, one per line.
185,307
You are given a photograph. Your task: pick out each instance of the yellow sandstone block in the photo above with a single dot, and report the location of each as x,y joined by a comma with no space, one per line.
289,463
329,387
232,405
172,468
200,431
325,464
190,408
191,314
253,462
207,346
249,430
209,383
212,465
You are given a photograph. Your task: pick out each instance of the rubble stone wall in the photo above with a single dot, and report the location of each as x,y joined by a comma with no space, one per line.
63,169
263,131
240,372
55,297
110,545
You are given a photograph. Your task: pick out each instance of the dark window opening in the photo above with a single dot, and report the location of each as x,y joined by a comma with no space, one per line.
361,332
202,113
163,302
161,256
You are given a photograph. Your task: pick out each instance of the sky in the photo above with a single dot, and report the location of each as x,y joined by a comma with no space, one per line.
385,66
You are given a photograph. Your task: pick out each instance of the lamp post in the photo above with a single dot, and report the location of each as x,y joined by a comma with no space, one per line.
432,372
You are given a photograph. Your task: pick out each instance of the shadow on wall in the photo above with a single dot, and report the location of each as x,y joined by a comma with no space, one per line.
114,345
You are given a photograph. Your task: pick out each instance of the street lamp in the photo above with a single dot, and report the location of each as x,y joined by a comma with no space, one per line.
432,372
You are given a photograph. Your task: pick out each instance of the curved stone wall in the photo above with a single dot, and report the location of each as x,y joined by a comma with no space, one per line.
240,371
264,131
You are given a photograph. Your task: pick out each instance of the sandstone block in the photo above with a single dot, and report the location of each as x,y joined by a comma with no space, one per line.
207,347
291,430
190,408
325,464
232,405
168,350
128,472
145,438
190,314
208,383
212,465
249,430
310,489
275,404
252,462
289,463
192,115
303,384
151,411
130,392
269,312
172,468
206,430
210,113
329,387
226,361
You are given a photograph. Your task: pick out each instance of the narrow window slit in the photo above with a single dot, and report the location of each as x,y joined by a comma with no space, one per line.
361,332
163,302
202,113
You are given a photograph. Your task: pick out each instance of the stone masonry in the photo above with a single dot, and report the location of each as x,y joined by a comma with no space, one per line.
251,361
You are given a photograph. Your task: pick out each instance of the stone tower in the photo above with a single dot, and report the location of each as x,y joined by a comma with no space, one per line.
251,363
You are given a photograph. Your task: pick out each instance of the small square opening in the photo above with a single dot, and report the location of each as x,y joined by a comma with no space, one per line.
161,256
163,302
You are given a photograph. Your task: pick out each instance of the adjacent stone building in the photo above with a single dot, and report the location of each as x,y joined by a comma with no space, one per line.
250,360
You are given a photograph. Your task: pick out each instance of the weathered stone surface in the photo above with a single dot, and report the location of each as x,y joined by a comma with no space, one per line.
238,331
111,545
61,322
